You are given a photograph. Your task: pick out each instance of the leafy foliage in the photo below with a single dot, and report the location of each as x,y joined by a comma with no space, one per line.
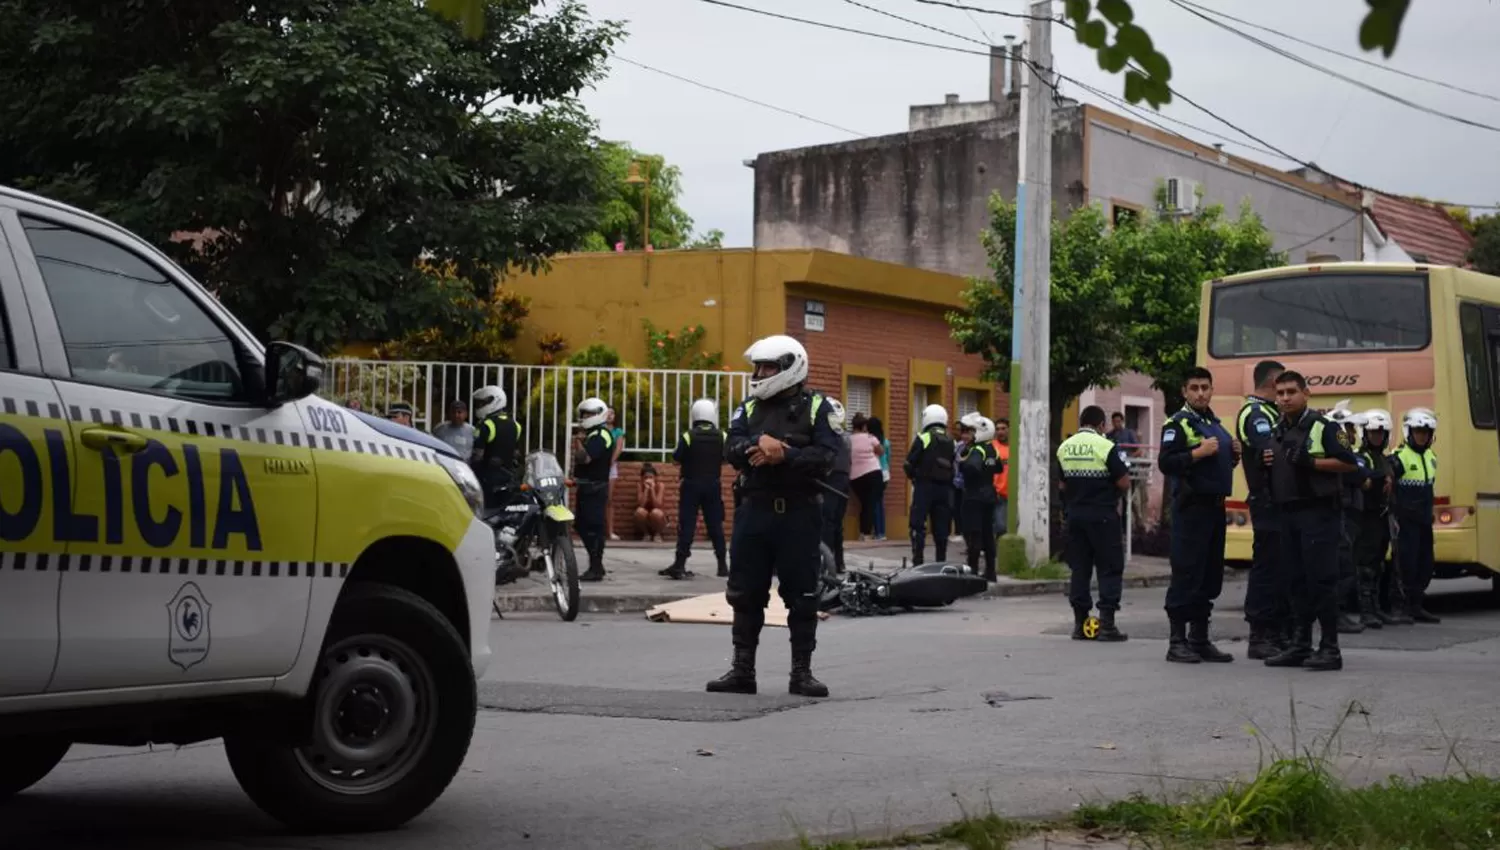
1122,298
477,332
678,349
313,152
551,346
623,207
1148,74
1485,254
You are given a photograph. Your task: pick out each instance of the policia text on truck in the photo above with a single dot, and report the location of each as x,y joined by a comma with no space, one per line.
193,545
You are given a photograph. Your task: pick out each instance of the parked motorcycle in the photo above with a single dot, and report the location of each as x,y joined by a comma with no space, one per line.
532,524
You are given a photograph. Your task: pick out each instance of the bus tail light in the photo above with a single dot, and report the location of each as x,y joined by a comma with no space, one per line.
1236,518
1445,515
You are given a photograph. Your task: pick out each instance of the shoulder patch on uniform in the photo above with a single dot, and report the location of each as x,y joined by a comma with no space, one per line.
1262,426
1169,435
1342,436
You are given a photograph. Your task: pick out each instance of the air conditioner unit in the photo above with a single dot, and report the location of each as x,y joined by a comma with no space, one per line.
1182,195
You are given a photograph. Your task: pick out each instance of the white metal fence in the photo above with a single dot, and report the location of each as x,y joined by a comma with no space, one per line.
651,405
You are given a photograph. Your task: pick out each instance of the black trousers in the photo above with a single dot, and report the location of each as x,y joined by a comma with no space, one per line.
931,501
979,535
834,508
593,500
1266,601
868,488
1414,554
1096,545
1197,557
775,537
693,495
1348,592
1369,557
956,512
1310,562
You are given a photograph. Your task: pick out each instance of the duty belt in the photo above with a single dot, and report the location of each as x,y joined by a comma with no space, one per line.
780,504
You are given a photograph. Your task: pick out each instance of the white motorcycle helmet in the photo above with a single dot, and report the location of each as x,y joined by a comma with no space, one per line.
835,415
1340,414
488,401
1376,419
787,355
1418,417
592,412
970,421
984,431
704,410
934,414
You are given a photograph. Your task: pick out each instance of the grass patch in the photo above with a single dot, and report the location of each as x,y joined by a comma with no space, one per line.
990,832
1297,800
1010,560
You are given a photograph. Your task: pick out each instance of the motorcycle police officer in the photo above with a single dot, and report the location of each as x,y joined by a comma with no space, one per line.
700,460
1094,474
1353,506
1305,466
784,447
1415,468
1193,454
499,443
1267,608
1374,523
980,463
593,452
836,494
929,467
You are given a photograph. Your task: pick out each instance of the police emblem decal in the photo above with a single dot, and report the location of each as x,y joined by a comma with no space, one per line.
188,626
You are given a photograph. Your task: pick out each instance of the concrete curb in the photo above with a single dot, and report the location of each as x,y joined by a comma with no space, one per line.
635,603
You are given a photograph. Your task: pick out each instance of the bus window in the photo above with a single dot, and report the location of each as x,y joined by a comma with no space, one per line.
1320,313
1477,366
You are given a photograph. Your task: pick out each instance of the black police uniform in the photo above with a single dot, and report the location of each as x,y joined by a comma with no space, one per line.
929,468
778,524
980,464
1197,547
499,462
1413,498
1374,538
1268,609
1091,468
700,460
836,503
1350,514
591,474
1308,501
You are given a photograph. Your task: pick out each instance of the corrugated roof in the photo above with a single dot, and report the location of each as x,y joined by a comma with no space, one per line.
1424,231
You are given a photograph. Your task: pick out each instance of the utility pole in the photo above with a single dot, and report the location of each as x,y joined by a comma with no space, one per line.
1031,334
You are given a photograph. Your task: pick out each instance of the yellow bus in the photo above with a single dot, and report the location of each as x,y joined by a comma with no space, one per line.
1388,335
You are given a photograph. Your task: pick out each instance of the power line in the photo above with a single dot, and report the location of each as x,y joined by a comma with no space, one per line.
1376,90
1325,234
1351,57
1020,16
985,53
951,33
725,92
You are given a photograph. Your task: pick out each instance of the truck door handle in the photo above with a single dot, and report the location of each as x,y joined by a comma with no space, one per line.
112,436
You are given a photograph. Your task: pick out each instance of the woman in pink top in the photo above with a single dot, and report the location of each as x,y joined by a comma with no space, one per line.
864,472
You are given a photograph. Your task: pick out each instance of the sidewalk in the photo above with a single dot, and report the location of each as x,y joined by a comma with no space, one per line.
631,583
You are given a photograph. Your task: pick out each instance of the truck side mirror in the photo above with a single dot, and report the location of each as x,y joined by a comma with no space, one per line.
292,373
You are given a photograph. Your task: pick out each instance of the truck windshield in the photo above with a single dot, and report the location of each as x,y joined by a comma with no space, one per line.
1320,312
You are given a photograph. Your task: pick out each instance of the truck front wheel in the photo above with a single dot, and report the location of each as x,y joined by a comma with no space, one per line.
26,761
391,708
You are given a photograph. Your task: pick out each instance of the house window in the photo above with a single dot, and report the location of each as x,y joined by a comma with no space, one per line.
1477,367
968,402
1121,215
860,397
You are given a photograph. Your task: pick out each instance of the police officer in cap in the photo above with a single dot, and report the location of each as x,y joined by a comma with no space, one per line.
1305,468
1094,475
700,460
782,443
929,467
1267,607
498,443
1200,456
593,452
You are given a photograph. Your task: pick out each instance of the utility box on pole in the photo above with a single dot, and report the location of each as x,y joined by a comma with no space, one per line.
1032,342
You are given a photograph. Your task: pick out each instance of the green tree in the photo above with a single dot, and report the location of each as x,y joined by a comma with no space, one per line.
623,205
1485,254
1162,262
321,148
1088,316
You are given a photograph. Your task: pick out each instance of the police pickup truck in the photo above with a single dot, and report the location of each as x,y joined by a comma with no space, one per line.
194,546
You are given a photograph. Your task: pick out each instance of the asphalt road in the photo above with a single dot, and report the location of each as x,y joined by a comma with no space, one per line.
598,733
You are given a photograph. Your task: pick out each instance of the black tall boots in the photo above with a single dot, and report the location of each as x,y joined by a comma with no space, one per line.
1201,646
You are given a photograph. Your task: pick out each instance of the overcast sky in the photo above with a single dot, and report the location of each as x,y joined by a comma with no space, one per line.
866,85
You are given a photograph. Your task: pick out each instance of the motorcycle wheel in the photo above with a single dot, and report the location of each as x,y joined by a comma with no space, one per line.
562,574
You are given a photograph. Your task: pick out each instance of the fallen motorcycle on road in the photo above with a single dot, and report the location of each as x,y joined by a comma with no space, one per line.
863,593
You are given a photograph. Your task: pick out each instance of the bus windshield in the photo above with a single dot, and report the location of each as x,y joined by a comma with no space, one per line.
1318,313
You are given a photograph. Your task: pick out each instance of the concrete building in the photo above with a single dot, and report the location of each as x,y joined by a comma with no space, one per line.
875,332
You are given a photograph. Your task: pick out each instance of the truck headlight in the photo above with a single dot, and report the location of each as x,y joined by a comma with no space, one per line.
467,482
